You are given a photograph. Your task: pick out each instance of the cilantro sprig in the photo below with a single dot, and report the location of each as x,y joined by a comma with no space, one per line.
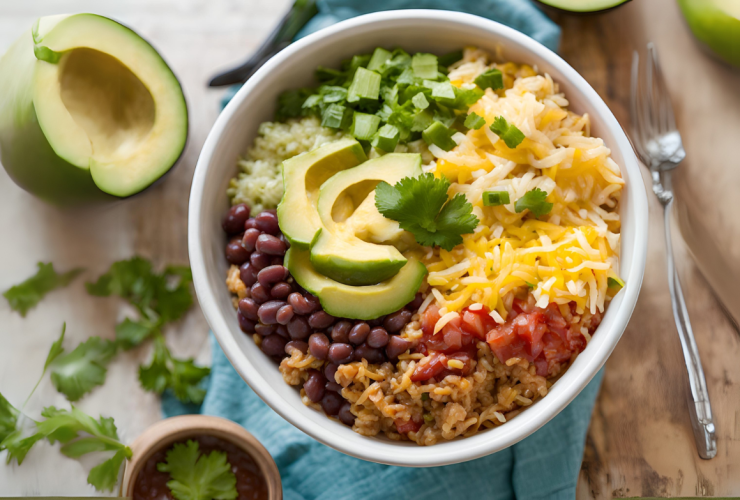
26,295
196,476
421,206
508,132
535,202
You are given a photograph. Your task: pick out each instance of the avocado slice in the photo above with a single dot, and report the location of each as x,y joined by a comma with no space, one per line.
89,109
337,252
583,5
357,302
303,175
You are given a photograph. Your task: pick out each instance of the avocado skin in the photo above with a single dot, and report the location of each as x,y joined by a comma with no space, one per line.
714,29
559,6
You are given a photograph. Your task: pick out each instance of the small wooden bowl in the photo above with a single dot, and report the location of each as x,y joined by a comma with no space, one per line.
174,429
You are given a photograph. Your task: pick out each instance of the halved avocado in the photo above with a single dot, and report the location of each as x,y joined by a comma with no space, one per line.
88,107
357,302
583,5
303,175
336,252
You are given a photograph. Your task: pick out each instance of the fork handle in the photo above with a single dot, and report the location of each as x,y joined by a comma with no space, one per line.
700,408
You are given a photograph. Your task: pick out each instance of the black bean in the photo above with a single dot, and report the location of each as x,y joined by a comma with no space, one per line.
245,324
359,332
271,275
415,304
314,386
396,321
274,345
276,261
330,370
298,328
340,331
281,290
270,245
248,274
264,330
236,253
267,222
345,414
396,346
340,353
376,321
282,330
259,260
250,224
331,403
372,355
272,211
320,320
259,293
267,312
250,238
318,345
248,308
284,314
333,386
235,218
378,337
301,305
296,344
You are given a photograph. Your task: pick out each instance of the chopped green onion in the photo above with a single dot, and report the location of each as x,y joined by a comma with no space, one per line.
380,56
420,101
334,94
328,74
510,134
425,66
364,126
312,101
336,116
421,120
614,282
492,79
439,135
425,396
495,198
365,85
428,417
358,61
530,285
451,58
464,98
474,122
440,90
387,138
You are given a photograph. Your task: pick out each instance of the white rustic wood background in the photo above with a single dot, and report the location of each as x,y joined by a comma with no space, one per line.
640,439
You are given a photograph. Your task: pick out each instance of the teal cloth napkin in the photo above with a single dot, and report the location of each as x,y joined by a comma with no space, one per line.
543,466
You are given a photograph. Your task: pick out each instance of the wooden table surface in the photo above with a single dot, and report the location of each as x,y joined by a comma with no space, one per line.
640,440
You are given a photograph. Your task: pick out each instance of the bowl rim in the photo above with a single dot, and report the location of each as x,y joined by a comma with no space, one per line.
529,421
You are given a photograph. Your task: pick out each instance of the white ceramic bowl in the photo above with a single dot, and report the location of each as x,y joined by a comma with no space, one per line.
414,30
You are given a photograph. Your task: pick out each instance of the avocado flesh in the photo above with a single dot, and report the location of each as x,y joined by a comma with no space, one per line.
583,5
357,302
716,24
303,175
336,251
88,108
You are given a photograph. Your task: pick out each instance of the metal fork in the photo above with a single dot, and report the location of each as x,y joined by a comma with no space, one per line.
658,144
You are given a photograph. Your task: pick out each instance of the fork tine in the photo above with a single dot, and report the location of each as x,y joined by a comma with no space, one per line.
637,111
664,118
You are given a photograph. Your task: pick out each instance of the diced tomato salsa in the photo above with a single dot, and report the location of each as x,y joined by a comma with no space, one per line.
406,426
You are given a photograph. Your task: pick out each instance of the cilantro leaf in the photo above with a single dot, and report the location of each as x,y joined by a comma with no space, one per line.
104,476
24,296
420,205
165,371
130,333
18,446
8,419
511,135
473,121
78,372
197,476
493,78
534,200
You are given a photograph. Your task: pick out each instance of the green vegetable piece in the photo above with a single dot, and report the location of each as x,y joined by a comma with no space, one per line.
329,75
408,77
420,101
473,121
78,372
450,58
379,58
165,371
336,116
529,285
332,94
428,418
104,476
8,420
197,476
421,121
290,103
420,205
495,198
491,79
464,98
365,85
534,200
425,66
387,138
425,396
130,333
511,135
439,135
441,90
364,126
615,282
312,101
24,296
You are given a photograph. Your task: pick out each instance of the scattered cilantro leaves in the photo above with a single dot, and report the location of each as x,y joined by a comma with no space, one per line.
534,201
183,377
24,296
8,419
511,135
493,79
420,205
473,121
197,476
78,372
